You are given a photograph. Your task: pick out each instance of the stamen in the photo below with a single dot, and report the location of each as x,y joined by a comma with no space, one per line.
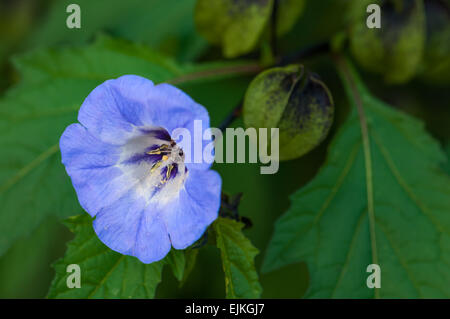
165,157
159,150
169,171
155,166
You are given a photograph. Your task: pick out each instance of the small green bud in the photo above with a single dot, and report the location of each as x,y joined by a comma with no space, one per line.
395,50
293,100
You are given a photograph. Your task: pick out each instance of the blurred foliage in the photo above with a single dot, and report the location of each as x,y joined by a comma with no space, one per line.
447,164
436,66
165,25
53,82
25,268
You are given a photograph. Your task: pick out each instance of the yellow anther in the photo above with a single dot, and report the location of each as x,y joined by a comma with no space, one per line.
155,166
159,150
166,178
169,171
165,157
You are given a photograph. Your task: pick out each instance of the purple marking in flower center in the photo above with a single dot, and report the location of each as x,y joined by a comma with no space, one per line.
173,172
144,157
159,133
164,156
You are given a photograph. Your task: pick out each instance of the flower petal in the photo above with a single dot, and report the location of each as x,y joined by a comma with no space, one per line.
170,97
110,117
195,209
90,164
132,228
115,108
176,98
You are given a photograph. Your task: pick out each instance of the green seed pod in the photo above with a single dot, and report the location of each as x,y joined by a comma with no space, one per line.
238,25
436,66
293,100
288,13
395,50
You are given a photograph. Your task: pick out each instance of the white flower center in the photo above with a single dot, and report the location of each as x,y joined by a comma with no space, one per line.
153,164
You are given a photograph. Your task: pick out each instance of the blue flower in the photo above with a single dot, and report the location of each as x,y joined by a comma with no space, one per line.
131,175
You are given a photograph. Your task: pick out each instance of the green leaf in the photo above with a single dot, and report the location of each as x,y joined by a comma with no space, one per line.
241,278
104,273
28,261
381,198
191,260
447,163
34,114
165,25
177,262
235,25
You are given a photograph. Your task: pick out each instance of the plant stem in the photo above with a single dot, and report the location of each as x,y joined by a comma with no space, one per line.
245,69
